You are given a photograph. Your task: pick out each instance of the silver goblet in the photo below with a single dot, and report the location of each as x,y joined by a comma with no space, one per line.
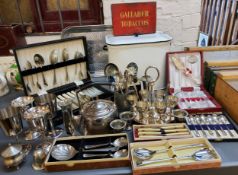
50,101
10,122
21,104
37,116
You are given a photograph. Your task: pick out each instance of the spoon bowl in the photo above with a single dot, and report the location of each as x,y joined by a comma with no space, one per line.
63,152
39,61
53,61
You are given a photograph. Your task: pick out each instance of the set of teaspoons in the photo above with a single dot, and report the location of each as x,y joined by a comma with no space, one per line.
211,126
55,77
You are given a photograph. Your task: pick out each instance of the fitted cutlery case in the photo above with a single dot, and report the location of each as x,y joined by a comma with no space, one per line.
161,131
213,126
174,155
89,156
59,67
185,80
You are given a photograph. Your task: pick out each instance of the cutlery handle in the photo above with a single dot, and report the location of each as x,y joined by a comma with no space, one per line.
149,133
96,146
189,146
177,134
148,162
146,134
173,127
94,155
32,80
44,80
175,130
163,127
149,129
101,150
66,74
55,79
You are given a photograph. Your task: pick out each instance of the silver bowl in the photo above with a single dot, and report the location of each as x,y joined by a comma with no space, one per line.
180,115
118,125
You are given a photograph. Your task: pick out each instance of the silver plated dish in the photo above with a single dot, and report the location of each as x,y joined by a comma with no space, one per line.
180,115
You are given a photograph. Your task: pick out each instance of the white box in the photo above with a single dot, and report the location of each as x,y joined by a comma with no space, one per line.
145,50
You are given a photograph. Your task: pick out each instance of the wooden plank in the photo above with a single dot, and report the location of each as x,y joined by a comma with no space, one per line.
235,42
227,96
204,13
212,17
221,21
235,31
228,75
233,13
208,16
213,48
215,23
223,32
221,63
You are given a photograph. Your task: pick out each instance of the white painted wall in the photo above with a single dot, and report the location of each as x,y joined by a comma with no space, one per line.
178,18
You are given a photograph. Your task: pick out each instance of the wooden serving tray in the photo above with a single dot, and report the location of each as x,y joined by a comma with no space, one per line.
176,131
77,163
174,164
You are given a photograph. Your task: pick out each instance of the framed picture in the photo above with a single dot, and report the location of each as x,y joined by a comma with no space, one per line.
203,40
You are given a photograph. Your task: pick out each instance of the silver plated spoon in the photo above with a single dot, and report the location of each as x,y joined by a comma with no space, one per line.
80,72
29,66
223,120
77,55
200,155
117,154
65,57
53,61
39,61
119,142
146,154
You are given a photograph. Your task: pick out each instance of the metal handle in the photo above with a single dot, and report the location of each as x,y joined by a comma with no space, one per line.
189,146
66,74
55,80
146,74
94,155
44,80
103,150
96,146
147,162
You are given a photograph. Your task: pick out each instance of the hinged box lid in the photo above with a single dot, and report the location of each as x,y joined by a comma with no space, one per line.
53,66
185,80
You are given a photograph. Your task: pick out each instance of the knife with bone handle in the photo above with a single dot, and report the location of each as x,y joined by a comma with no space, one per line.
74,99
154,134
164,128
62,98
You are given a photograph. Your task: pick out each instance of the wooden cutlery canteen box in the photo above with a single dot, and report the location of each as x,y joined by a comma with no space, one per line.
185,80
96,158
226,92
161,131
173,155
